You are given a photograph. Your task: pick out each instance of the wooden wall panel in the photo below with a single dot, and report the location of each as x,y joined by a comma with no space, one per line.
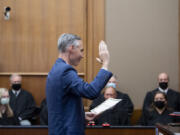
95,34
28,41
33,84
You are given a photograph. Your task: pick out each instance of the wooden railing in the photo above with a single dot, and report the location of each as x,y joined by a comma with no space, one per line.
96,130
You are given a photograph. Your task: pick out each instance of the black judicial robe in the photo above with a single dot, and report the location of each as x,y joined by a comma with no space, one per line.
8,120
173,98
23,105
118,115
44,113
150,118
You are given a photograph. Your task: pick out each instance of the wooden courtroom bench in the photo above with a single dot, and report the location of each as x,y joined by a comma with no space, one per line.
135,116
96,130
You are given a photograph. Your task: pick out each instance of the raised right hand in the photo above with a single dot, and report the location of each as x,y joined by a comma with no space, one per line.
104,55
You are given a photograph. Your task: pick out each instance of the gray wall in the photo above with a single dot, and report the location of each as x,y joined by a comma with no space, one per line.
142,36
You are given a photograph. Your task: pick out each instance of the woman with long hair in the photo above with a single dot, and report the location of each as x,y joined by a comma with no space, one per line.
6,113
158,112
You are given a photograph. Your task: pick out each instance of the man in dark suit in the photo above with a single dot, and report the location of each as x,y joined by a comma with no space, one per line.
64,88
173,97
21,101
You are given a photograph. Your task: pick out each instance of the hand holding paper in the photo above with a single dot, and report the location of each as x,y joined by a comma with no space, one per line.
90,116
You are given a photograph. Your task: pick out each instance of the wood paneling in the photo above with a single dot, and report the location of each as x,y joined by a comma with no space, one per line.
34,83
28,41
95,33
38,130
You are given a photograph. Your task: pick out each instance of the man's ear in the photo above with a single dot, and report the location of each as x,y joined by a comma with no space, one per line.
70,48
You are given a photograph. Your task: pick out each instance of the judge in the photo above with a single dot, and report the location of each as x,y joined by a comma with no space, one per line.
22,102
173,96
118,115
157,112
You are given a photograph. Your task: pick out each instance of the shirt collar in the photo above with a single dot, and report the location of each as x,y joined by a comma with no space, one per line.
18,91
164,91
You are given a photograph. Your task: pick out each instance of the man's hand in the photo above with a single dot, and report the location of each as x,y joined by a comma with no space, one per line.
89,116
103,55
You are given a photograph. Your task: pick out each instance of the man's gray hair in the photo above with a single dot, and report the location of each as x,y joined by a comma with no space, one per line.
14,75
66,40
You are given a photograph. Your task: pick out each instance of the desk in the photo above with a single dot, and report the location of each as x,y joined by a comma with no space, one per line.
168,130
96,130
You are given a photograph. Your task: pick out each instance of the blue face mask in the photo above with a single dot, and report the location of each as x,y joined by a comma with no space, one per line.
113,85
4,101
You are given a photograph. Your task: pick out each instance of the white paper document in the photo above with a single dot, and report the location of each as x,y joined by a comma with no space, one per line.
107,104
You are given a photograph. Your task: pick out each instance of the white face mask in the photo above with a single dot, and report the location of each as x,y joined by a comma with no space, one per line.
111,85
4,101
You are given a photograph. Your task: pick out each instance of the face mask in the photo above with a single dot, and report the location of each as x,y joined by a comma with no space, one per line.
111,85
163,85
159,104
16,86
4,101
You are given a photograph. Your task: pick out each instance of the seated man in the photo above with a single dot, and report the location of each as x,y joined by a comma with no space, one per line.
173,97
22,102
118,115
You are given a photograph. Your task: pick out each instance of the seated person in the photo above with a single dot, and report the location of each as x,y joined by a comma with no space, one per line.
115,116
158,112
173,96
43,113
126,103
22,102
6,113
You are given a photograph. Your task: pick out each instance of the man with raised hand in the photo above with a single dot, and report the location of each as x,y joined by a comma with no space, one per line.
64,88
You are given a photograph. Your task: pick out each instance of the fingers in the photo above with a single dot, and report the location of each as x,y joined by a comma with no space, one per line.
102,46
103,55
89,116
99,60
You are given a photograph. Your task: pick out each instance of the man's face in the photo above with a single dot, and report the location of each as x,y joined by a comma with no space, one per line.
110,93
163,78
76,54
16,80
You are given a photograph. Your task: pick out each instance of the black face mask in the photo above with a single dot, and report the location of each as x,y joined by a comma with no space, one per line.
163,85
159,104
16,86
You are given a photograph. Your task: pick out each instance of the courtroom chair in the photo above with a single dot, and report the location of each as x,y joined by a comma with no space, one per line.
135,116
